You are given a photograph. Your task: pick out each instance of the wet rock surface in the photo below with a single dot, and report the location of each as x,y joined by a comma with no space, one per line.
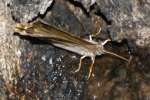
45,72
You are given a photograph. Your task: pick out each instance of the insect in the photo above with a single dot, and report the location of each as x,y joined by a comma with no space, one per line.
65,40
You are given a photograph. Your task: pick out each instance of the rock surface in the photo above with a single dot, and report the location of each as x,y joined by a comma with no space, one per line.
129,19
33,69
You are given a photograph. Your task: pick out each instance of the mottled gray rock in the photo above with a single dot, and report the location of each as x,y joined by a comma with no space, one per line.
129,18
10,51
9,44
86,3
26,10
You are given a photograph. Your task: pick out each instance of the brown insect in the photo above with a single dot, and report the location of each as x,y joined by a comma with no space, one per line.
65,40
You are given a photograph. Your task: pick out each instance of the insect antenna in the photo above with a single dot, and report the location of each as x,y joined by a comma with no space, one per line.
116,55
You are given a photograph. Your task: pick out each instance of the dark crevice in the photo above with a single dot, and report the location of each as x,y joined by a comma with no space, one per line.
78,4
96,9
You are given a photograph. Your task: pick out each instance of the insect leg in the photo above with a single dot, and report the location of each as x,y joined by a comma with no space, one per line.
103,43
90,38
98,31
91,67
93,35
80,63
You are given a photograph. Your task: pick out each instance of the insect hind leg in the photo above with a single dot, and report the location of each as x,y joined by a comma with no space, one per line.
91,67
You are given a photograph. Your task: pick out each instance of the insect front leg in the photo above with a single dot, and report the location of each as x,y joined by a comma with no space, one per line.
103,43
80,63
93,35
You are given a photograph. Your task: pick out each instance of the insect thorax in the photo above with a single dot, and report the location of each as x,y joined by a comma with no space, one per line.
99,49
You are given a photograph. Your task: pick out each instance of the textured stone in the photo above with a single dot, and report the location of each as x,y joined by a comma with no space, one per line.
26,10
33,69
